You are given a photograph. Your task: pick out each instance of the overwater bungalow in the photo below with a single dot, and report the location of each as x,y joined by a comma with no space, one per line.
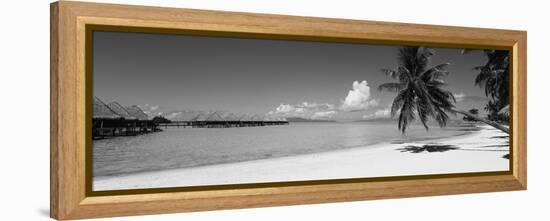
215,120
199,120
115,120
121,111
136,112
144,123
245,120
128,126
257,120
231,120
104,119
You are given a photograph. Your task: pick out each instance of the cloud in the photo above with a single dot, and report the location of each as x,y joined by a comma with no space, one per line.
151,110
358,98
383,113
379,114
314,105
285,108
305,110
324,114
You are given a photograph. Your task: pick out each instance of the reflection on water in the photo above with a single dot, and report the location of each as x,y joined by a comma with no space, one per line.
188,147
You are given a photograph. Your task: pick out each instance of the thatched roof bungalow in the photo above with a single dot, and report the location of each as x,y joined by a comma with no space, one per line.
214,117
120,110
103,111
257,118
230,117
245,117
200,117
136,112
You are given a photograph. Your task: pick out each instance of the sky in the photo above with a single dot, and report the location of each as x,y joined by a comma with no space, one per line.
167,74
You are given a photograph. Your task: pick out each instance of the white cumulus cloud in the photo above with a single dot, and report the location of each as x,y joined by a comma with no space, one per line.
285,108
358,98
379,114
305,110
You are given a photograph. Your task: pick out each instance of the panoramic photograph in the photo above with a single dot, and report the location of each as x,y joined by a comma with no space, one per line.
182,111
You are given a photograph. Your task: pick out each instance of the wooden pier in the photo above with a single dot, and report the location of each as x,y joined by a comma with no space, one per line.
220,124
175,124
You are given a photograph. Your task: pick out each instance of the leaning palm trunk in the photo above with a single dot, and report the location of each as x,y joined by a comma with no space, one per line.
493,124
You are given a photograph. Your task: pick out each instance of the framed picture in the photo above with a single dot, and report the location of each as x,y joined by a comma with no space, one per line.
160,110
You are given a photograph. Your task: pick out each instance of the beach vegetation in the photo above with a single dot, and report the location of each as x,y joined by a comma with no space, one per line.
473,111
420,90
494,78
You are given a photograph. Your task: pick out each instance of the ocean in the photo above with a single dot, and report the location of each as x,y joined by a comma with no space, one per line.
192,147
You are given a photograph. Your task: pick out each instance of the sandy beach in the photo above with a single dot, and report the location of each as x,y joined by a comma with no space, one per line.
479,151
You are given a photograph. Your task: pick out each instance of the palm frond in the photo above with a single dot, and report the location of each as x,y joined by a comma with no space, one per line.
435,72
392,73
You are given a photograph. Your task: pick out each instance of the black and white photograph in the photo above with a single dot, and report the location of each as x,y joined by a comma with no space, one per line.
176,110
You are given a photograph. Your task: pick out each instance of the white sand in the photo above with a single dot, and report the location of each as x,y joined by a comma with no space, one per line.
478,152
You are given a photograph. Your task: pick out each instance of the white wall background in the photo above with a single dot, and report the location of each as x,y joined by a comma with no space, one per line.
24,109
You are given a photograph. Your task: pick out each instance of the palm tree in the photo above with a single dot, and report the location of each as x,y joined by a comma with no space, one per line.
494,78
471,111
420,90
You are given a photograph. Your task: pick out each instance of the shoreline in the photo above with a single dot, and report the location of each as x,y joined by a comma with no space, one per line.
480,149
368,145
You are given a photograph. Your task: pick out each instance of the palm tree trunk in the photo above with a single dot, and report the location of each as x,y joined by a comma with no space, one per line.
491,123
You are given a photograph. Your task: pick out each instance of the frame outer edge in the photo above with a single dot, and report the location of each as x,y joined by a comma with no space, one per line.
66,201
522,107
54,110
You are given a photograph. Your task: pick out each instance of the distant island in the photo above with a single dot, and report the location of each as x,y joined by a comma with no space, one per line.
300,119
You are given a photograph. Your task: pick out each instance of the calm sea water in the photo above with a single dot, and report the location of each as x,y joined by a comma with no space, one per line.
189,147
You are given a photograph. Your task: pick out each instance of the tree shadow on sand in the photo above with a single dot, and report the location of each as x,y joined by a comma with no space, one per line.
428,148
468,129
497,145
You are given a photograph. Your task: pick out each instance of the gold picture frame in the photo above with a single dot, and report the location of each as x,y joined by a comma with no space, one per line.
72,22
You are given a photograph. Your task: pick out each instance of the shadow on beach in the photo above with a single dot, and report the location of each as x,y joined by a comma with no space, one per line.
428,148
496,145
468,129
